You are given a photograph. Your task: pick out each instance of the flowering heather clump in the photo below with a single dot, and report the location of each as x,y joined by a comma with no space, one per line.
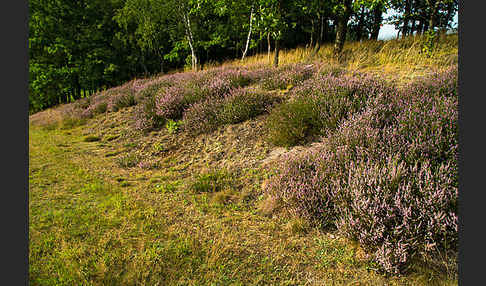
330,70
145,116
238,106
243,104
438,84
169,102
220,82
357,86
71,116
202,116
148,164
318,106
218,87
82,103
288,75
302,182
387,177
97,105
395,210
149,88
122,98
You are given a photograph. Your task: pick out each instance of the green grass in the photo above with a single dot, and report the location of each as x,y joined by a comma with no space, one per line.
97,219
85,228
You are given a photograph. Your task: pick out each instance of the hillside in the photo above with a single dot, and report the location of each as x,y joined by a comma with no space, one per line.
317,172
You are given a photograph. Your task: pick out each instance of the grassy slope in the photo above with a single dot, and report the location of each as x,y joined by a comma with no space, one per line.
93,222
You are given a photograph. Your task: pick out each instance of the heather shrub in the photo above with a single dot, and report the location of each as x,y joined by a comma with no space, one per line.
145,116
220,81
217,87
331,70
284,76
71,116
96,104
238,76
202,117
82,103
397,210
302,183
238,106
318,106
101,107
441,83
150,89
70,122
244,104
122,99
387,177
169,102
291,123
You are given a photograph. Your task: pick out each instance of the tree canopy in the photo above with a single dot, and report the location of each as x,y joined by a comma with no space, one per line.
79,47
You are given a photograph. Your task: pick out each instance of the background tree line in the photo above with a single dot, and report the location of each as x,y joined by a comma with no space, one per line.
79,47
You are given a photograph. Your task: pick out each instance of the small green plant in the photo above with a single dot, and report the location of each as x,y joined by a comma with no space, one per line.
128,161
334,252
158,147
213,181
173,126
167,187
291,123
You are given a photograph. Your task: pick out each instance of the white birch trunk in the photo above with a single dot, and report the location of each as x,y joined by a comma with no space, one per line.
249,34
191,41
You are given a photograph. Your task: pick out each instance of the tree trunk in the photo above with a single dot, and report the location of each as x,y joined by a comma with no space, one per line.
359,32
377,18
311,44
342,28
412,30
448,17
420,27
191,41
249,34
277,49
324,29
340,35
268,41
406,18
426,26
319,39
433,14
260,44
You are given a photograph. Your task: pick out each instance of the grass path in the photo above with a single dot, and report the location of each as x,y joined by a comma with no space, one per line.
94,223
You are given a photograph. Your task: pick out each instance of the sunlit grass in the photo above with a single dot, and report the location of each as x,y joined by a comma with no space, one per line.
95,218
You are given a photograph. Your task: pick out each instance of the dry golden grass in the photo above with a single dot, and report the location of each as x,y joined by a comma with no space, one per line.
397,58
94,222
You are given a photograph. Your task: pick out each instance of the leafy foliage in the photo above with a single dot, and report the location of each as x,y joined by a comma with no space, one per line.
77,49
